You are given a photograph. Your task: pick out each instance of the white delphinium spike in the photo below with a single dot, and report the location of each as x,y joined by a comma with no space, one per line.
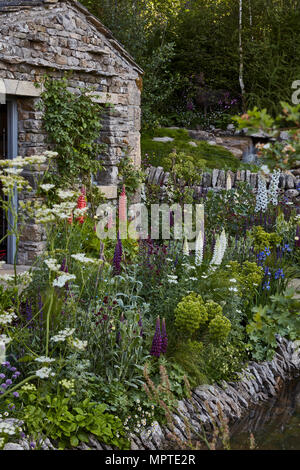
262,195
199,249
273,189
219,249
186,251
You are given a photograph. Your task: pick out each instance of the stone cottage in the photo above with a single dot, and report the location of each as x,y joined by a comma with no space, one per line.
39,37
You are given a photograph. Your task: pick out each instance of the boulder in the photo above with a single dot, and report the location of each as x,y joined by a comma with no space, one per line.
163,139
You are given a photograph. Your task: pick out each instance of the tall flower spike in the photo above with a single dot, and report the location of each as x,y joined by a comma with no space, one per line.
81,204
118,256
297,238
123,214
186,251
273,188
219,249
140,323
123,205
199,249
164,337
262,195
157,340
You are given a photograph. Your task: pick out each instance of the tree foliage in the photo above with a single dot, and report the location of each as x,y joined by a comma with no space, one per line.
200,40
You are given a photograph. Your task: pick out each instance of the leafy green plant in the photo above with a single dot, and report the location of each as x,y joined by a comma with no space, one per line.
190,314
130,175
57,418
278,154
281,317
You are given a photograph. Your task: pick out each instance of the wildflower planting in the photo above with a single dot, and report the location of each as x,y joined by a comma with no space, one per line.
79,329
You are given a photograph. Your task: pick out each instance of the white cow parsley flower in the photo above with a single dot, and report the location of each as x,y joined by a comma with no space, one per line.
47,187
44,359
78,344
52,264
7,317
83,259
63,279
44,373
63,335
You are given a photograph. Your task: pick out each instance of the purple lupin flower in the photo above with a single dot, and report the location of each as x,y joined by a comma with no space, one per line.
140,323
28,312
118,256
297,239
40,306
157,340
164,337
64,267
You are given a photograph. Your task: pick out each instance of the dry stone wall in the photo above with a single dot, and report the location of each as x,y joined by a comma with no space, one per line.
217,180
258,382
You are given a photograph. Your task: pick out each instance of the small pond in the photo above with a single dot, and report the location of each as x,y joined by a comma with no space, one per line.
275,424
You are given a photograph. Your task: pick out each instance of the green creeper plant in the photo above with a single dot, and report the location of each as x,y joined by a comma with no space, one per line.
73,123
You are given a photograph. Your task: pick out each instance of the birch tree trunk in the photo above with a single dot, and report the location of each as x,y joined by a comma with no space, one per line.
241,54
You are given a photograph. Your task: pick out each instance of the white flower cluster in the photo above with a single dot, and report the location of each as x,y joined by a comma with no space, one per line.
4,339
78,344
262,195
6,318
7,277
52,264
80,212
199,249
44,359
25,161
186,251
172,279
24,278
8,428
47,187
273,188
63,210
43,215
219,249
44,373
63,279
83,259
63,335
66,194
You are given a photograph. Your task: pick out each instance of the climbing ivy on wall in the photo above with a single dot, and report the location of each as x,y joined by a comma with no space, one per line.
73,123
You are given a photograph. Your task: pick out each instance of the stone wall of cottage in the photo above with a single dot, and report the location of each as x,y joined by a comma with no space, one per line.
57,37
52,38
